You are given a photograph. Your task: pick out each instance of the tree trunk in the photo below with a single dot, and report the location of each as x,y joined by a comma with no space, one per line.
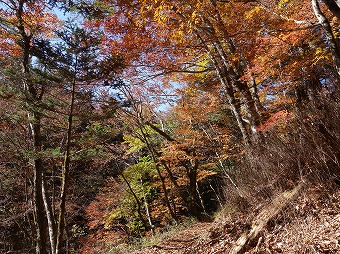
154,158
312,86
192,200
41,237
49,215
35,129
333,46
200,198
233,103
147,211
256,99
253,116
65,175
334,7
217,196
235,109
220,69
166,196
232,72
139,205
240,86
181,192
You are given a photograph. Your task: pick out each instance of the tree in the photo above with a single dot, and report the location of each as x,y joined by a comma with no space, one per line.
238,72
332,42
148,139
239,39
334,7
138,178
76,61
48,70
201,29
22,22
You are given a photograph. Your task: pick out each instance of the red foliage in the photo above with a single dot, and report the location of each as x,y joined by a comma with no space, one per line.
280,118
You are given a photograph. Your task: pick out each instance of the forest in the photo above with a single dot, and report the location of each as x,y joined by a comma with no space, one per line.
121,119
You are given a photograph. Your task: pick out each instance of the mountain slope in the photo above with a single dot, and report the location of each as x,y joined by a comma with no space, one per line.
310,224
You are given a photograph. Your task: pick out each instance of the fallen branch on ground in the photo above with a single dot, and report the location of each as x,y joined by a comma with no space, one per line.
267,213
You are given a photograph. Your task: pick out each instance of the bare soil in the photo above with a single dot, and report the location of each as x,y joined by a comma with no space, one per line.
311,224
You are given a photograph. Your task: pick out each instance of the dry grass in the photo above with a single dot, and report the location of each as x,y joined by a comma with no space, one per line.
310,225
305,148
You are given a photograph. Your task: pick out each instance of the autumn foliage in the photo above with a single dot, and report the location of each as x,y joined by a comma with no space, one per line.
134,115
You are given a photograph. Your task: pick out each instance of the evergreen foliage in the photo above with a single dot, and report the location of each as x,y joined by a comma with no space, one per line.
138,115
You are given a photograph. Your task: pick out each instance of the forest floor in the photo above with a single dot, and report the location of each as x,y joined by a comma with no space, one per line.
309,224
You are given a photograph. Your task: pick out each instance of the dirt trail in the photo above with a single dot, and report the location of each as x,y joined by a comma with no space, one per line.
310,225
202,237
195,239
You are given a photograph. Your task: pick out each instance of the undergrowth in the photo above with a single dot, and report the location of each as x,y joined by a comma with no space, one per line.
304,147
159,236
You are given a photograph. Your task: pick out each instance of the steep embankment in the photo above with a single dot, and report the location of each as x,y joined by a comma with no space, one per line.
308,222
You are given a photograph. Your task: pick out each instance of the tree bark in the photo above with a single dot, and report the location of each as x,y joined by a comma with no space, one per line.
201,198
253,116
192,200
220,62
49,215
41,236
65,175
334,7
181,192
255,95
147,210
34,119
332,43
233,103
139,205
233,71
154,158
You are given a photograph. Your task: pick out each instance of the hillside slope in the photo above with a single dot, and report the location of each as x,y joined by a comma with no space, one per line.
310,224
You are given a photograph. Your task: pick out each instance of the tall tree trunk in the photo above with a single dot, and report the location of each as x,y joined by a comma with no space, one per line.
233,103
236,110
233,71
166,196
253,116
39,213
334,7
241,87
34,119
159,173
332,43
181,192
41,236
258,105
222,70
147,210
139,205
49,215
201,198
217,196
65,175
192,200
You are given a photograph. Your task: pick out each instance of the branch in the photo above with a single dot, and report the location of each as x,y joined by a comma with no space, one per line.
269,212
160,132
